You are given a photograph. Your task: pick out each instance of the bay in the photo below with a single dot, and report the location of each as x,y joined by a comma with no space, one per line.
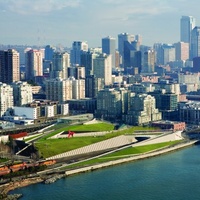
175,175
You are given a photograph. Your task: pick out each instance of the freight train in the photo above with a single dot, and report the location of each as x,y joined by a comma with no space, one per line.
16,167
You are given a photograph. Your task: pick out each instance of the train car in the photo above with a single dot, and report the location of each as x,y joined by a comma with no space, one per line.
18,135
4,172
47,162
18,167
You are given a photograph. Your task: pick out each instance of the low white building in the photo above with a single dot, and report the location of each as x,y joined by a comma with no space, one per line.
28,112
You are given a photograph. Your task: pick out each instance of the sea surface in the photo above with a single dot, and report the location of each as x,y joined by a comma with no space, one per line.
173,176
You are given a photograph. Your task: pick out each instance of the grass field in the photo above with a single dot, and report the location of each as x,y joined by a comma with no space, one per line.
51,147
124,154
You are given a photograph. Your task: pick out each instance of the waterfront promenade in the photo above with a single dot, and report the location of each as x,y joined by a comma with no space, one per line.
129,159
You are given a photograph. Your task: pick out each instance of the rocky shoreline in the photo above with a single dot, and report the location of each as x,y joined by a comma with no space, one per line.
4,189
17,184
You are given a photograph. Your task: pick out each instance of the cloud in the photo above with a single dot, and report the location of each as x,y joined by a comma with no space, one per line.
37,6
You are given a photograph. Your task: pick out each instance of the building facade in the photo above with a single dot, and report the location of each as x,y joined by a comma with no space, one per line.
103,68
9,66
78,48
6,98
60,64
195,42
33,63
22,93
108,47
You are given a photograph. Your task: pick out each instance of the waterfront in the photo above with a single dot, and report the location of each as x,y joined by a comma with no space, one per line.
172,176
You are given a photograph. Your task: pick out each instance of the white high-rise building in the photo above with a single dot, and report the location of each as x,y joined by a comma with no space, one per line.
109,47
22,93
77,48
33,63
78,88
59,89
6,98
102,68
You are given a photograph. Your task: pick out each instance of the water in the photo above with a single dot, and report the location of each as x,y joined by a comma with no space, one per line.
171,176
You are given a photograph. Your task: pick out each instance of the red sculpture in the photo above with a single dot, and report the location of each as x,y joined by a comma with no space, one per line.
70,134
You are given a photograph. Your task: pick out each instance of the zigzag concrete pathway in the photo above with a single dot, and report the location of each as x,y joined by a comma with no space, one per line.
106,144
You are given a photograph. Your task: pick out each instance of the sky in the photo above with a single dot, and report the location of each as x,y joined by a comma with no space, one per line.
60,22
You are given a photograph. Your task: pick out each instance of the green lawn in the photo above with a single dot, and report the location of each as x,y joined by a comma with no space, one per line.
124,153
51,147
82,128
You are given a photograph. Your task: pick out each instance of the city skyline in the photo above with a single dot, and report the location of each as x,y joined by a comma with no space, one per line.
62,22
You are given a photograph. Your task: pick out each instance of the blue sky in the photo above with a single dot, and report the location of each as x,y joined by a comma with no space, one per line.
56,22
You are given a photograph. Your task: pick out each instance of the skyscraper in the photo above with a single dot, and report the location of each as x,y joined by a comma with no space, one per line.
132,58
149,61
59,65
49,51
103,68
121,39
187,24
87,62
9,66
77,48
108,47
195,43
33,63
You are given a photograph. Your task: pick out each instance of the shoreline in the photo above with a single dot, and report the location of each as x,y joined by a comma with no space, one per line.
6,188
130,159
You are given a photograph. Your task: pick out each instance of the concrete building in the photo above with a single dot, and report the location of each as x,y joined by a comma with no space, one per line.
165,53
111,104
60,64
78,48
142,110
87,62
141,88
149,60
58,89
102,68
108,47
22,93
182,51
6,98
169,125
78,88
33,63
77,72
9,66
42,110
86,105
189,112
189,79
93,85
108,104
